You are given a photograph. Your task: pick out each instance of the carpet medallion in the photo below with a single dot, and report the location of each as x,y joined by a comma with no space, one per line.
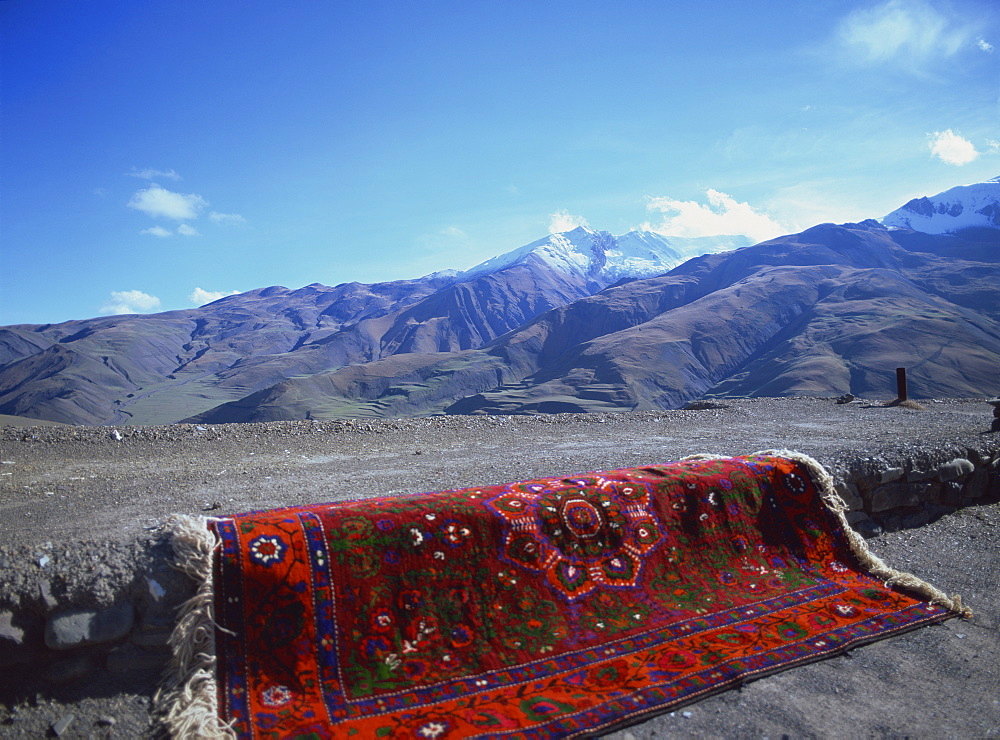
545,608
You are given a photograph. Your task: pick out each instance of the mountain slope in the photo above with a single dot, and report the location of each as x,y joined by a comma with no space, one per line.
965,207
834,309
162,367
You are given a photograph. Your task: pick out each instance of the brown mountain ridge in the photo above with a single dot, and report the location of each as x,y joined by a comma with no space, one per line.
828,311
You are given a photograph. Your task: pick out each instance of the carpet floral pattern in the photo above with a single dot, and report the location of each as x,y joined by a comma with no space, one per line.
546,608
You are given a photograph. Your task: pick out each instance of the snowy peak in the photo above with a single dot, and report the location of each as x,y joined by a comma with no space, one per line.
962,207
598,255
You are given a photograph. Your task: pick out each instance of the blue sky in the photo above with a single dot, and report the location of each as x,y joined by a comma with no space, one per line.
157,154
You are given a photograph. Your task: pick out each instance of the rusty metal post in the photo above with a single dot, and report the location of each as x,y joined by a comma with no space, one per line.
901,383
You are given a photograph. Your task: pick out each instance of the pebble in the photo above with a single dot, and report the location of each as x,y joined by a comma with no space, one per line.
61,725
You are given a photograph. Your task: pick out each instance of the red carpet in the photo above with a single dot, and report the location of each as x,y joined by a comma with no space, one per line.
545,608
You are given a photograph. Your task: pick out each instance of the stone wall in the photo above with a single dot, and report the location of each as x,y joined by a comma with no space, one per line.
94,613
889,495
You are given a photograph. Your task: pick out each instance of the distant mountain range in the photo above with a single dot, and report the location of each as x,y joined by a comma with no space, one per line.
579,321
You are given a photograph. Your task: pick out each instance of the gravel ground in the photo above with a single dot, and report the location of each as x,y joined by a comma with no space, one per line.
91,501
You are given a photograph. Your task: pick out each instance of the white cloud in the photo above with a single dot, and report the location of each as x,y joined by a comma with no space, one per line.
129,301
157,231
723,215
951,148
185,230
454,232
159,202
200,297
563,220
985,45
910,32
151,174
226,218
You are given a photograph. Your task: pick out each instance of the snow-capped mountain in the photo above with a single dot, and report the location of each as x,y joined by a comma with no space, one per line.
593,254
962,207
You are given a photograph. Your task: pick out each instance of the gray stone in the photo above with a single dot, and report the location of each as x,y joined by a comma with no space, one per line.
127,658
78,627
915,476
854,517
8,632
955,469
45,592
868,529
890,475
895,521
69,669
849,492
896,495
155,639
60,726
19,638
937,511
951,493
977,485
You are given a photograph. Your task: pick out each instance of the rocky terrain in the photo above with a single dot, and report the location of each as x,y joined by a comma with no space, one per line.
82,511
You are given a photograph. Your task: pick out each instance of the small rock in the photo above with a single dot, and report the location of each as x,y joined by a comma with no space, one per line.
890,475
846,398
867,528
849,492
78,627
8,632
64,671
116,435
978,485
155,589
127,658
45,591
702,406
916,476
152,639
896,495
955,469
43,561
107,720
686,715
61,725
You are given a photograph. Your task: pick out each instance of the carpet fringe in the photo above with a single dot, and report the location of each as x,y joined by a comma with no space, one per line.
187,703
868,560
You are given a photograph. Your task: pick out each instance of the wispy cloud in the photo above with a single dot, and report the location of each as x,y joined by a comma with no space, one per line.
226,218
159,202
151,174
200,297
909,33
454,232
985,45
185,230
157,231
563,220
722,215
130,301
951,148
